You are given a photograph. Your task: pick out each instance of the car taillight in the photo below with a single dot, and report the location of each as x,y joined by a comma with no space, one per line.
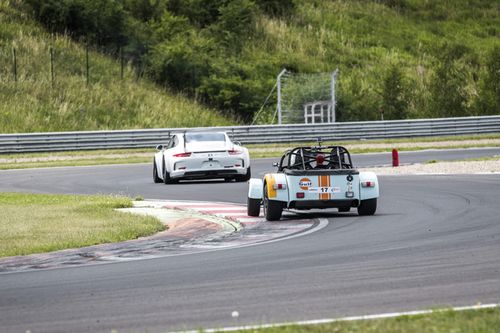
279,186
182,155
234,152
368,184
300,195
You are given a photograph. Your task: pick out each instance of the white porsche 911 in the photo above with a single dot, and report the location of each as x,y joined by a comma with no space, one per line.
201,155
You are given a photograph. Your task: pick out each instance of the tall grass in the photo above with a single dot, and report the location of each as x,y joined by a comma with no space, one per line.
35,104
364,38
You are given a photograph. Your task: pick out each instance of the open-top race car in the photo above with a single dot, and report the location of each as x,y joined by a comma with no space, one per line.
313,177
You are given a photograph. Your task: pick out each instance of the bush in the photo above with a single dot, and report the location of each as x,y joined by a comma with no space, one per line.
394,94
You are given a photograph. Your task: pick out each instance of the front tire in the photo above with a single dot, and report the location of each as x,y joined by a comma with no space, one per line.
253,207
156,179
272,209
367,207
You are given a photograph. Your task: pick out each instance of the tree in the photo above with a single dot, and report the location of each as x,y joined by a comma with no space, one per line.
448,95
489,92
394,94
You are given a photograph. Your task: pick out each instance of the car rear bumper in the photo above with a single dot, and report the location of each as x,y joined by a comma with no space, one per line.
208,173
310,204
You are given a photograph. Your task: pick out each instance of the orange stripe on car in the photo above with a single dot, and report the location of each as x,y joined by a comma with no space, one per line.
324,181
270,181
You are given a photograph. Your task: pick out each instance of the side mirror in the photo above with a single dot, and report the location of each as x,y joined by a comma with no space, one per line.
275,164
159,147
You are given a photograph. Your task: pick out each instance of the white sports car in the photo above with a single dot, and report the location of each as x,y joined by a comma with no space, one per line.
201,155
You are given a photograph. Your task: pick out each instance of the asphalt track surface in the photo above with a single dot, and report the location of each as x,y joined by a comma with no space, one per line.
435,241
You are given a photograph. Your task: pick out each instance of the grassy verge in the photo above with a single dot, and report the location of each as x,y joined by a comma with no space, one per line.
470,321
36,104
126,156
35,223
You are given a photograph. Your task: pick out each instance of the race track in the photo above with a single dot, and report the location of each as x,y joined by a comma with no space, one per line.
434,242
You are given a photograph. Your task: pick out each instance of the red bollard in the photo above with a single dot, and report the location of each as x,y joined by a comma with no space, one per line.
395,158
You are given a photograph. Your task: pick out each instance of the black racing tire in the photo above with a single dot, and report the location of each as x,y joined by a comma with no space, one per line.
166,175
367,207
156,179
253,207
246,177
272,209
344,209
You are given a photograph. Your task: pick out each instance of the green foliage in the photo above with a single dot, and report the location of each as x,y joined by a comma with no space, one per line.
35,104
448,94
226,53
98,21
394,94
489,93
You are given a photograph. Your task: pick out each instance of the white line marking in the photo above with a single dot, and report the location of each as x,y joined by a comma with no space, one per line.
232,214
215,209
250,219
333,320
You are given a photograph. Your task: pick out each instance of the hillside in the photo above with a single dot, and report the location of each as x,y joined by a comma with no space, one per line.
35,103
185,58
410,58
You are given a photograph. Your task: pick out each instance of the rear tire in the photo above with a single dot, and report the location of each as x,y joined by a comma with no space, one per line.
253,207
367,207
156,179
246,177
272,208
166,175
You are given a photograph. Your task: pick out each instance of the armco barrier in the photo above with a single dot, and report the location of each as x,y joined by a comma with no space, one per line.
61,141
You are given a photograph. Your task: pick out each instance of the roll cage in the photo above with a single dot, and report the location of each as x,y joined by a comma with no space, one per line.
316,157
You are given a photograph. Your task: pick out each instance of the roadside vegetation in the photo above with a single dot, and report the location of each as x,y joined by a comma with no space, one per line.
409,58
144,155
36,103
469,321
35,223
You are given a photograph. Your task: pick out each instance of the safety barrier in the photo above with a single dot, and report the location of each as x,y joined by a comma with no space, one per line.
87,140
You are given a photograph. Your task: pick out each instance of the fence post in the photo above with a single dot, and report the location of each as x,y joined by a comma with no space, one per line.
87,64
121,63
14,62
278,79
51,50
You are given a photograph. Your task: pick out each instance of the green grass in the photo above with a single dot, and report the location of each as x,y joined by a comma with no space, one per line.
470,321
34,105
35,223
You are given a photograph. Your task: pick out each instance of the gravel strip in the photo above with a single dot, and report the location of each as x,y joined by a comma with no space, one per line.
459,167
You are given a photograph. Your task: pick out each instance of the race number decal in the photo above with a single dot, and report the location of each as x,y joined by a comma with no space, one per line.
324,190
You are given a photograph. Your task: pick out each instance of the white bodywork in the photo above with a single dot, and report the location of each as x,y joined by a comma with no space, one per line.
201,155
322,189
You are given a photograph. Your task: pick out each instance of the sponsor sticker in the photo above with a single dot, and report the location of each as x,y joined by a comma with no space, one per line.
324,190
305,183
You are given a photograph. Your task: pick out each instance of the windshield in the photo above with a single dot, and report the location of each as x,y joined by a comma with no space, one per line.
199,137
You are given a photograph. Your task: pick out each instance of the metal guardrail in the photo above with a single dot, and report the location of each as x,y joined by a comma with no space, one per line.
65,141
